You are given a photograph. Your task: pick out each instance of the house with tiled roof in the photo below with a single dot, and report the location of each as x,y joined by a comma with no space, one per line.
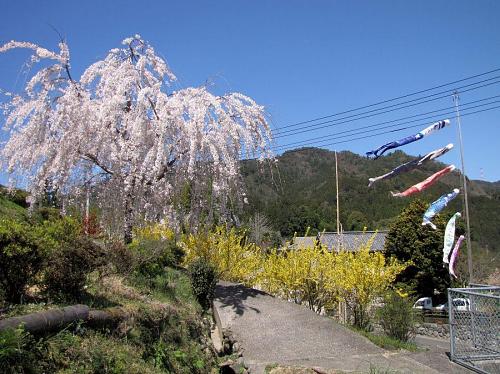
352,240
348,240
303,242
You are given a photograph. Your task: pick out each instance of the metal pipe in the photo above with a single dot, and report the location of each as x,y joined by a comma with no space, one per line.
464,186
451,324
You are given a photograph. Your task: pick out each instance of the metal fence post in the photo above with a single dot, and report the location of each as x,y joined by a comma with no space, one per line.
451,322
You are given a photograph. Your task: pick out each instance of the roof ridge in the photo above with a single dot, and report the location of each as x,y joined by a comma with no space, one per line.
356,232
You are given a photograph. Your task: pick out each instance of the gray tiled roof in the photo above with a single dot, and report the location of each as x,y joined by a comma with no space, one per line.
351,240
303,241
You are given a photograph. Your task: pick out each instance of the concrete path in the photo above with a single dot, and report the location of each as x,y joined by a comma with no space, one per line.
436,355
273,331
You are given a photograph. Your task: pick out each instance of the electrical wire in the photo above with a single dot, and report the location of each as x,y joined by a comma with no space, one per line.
349,119
436,116
390,131
393,99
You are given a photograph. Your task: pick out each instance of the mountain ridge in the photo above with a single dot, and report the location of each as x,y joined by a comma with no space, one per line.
299,191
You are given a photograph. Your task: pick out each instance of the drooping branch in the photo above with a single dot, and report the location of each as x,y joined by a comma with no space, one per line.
153,108
92,158
165,169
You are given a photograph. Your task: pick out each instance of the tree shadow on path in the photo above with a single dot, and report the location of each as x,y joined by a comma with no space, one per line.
234,295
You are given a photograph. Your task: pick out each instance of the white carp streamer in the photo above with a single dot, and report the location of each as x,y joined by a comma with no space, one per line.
449,236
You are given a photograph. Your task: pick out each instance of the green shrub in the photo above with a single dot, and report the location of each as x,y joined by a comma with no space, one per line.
120,258
203,280
396,317
92,352
42,214
152,255
171,340
17,352
56,231
21,258
67,267
17,196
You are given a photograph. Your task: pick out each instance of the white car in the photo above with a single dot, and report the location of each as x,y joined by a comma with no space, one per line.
461,304
424,303
442,308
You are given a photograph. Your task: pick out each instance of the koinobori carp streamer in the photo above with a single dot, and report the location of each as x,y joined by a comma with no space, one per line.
438,206
449,236
409,139
409,166
454,256
425,183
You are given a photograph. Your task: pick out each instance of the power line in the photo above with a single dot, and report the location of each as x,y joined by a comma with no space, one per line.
391,131
393,99
399,106
436,116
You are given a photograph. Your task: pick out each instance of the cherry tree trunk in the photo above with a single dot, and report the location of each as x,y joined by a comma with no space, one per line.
129,213
128,224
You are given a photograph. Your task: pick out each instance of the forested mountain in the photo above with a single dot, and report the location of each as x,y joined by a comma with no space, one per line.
299,191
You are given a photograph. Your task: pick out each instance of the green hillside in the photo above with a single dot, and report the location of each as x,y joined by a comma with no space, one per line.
13,204
300,191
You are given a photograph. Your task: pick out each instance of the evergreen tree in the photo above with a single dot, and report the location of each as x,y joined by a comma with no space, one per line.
408,240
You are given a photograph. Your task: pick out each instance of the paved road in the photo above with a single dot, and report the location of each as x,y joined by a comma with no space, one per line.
273,331
436,355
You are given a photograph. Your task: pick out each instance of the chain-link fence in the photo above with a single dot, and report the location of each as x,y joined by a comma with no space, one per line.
474,315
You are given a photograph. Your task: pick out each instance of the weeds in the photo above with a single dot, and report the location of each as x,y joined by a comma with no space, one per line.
385,341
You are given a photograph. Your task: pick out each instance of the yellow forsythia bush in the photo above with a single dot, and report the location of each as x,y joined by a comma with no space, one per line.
155,231
309,275
300,275
227,250
362,276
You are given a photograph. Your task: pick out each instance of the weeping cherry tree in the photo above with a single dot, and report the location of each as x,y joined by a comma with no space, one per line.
122,129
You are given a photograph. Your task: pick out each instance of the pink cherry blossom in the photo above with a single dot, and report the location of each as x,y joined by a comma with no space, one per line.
121,129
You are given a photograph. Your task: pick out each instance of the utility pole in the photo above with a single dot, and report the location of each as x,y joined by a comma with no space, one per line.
464,186
342,305
337,187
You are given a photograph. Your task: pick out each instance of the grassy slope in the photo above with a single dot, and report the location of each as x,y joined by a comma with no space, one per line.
164,333
165,304
9,209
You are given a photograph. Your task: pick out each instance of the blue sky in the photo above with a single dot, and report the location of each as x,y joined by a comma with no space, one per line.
301,59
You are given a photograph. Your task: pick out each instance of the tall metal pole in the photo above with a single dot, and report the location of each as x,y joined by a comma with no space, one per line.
464,186
337,187
342,304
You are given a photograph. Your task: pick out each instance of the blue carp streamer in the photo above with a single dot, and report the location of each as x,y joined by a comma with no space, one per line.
409,166
409,139
438,206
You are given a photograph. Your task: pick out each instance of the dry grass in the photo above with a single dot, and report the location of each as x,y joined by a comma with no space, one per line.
299,370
